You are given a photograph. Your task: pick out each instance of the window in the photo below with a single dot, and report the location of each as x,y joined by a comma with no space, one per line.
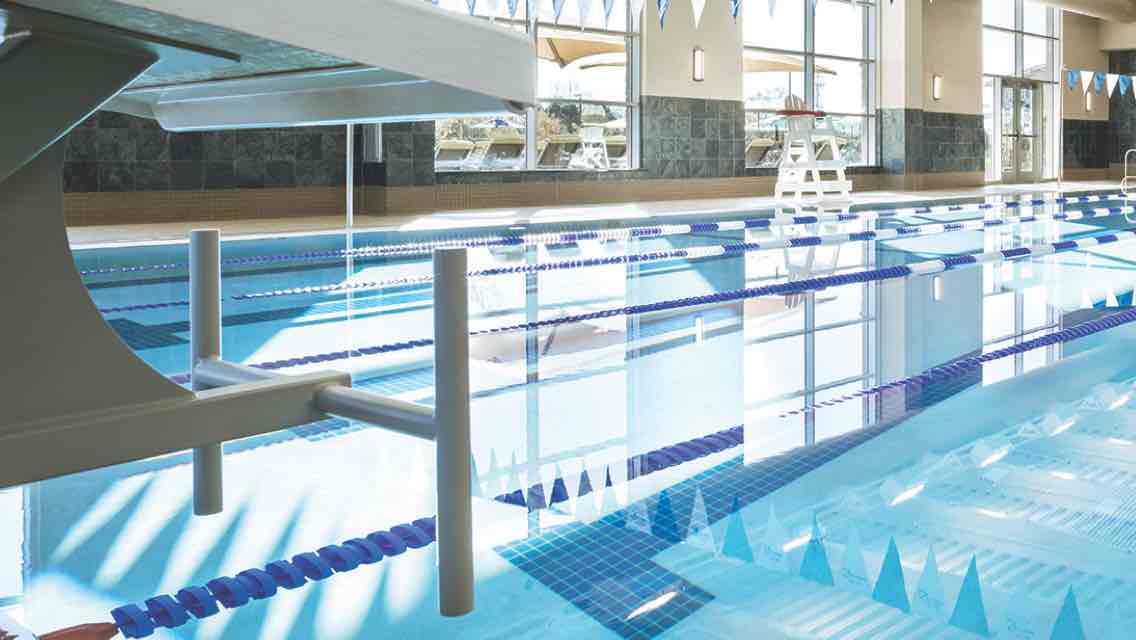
584,119
826,56
1020,90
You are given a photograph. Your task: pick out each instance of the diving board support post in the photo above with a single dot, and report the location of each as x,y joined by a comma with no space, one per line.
205,345
452,421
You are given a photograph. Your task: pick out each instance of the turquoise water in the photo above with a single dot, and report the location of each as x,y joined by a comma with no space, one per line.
1023,464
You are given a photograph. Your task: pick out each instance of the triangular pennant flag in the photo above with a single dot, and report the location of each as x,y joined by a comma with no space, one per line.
535,499
636,8
1110,298
511,5
697,6
636,517
699,533
814,566
474,481
1086,80
664,526
969,613
1112,79
1124,84
585,484
557,7
736,544
771,554
494,8
610,502
663,6
514,481
853,573
1068,625
494,471
929,597
1020,609
735,8
607,6
472,4
1071,78
559,489
1098,83
585,9
891,589
772,7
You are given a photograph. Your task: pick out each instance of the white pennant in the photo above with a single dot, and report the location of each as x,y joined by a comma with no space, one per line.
929,598
1112,79
698,6
585,9
772,7
494,6
636,8
853,574
1086,80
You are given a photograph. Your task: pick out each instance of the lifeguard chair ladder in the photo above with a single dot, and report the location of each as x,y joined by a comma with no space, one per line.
800,169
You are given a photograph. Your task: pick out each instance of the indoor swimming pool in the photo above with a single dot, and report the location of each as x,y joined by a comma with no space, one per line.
912,420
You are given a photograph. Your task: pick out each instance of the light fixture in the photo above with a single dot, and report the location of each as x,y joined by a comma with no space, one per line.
699,71
937,87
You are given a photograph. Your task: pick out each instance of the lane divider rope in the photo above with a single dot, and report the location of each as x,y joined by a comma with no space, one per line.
690,254
415,248
166,611
926,267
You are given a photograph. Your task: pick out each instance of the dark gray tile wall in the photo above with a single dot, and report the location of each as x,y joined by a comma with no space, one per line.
918,141
1085,144
408,154
692,138
1122,111
116,152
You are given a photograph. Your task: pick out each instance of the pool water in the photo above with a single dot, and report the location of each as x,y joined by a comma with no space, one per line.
1019,473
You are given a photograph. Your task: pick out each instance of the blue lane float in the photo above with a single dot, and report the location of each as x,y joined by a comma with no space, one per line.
715,251
417,248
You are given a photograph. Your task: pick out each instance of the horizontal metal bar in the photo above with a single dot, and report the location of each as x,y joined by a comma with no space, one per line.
397,415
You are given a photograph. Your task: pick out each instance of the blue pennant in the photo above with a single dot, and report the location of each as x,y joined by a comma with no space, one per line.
472,4
970,613
815,565
891,589
1068,625
557,7
663,6
1123,84
1072,77
607,5
736,544
1098,82
585,484
735,8
512,5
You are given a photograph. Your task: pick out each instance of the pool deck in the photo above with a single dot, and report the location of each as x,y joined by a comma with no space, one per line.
111,235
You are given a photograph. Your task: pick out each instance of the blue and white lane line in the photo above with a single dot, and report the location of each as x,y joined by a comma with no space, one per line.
655,231
694,253
926,267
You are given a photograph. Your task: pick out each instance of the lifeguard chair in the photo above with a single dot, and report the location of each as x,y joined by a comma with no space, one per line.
800,169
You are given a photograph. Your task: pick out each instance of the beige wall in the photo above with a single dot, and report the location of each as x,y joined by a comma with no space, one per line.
919,40
952,47
1116,36
1081,49
667,53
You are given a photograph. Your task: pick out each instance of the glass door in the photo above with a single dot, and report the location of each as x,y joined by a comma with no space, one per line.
1021,137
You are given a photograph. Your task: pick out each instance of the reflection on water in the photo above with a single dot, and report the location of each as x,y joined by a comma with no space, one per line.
698,549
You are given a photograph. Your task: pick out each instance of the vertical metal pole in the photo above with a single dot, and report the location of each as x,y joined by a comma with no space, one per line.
451,417
205,343
349,235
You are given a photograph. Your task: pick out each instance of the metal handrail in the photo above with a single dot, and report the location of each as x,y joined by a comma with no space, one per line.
447,424
1127,176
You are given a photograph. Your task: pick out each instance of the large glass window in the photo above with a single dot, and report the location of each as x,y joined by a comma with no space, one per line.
585,117
823,55
1020,90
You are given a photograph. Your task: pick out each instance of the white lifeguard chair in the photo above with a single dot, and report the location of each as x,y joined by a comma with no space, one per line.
800,169
593,150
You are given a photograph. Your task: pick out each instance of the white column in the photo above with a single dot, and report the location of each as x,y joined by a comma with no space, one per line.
205,343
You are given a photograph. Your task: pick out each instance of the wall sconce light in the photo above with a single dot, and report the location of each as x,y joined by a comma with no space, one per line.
937,87
699,70
1088,100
